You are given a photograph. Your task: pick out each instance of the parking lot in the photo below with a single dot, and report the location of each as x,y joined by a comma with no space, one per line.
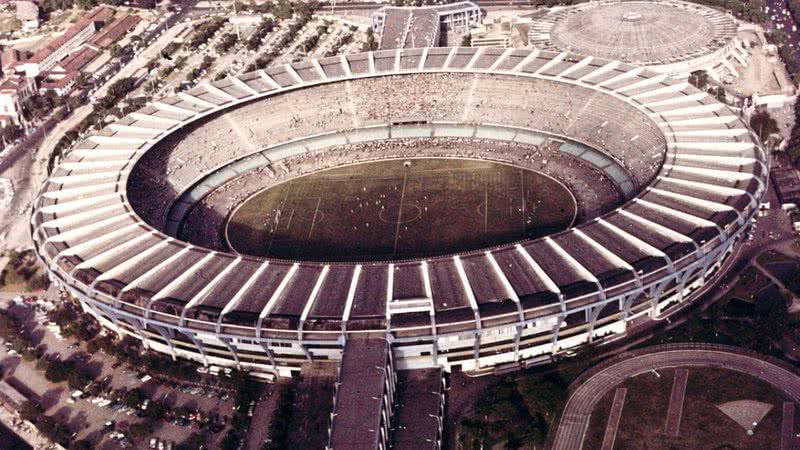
88,416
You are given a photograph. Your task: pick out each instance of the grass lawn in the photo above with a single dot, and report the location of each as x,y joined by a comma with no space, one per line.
384,210
702,426
750,282
646,392
772,256
782,267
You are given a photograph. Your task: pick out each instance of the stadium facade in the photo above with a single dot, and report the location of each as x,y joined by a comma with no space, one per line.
693,175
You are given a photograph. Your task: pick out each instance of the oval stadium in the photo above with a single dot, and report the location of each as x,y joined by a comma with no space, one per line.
478,208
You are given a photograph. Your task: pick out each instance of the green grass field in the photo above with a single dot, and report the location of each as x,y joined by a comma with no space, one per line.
385,210
750,282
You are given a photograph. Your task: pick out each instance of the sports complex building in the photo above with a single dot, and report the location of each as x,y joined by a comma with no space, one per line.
667,36
134,221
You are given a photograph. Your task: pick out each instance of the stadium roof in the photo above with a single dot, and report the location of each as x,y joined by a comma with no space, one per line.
713,174
645,33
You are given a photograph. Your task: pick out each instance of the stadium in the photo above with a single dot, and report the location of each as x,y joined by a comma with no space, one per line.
667,36
479,208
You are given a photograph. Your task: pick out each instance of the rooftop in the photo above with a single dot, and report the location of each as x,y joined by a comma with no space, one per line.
99,14
415,26
359,398
27,10
639,32
113,32
419,410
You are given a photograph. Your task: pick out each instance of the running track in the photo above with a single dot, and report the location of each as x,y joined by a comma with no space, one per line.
588,389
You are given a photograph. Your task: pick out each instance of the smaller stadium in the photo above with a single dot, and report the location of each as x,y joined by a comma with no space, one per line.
667,36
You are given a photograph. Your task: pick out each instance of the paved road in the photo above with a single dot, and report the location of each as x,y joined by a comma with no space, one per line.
787,426
675,409
590,388
613,419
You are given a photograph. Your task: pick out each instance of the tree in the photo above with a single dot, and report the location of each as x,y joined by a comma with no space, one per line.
542,395
58,371
230,441
93,346
29,410
193,442
141,429
60,114
152,65
54,430
81,444
763,124
155,410
12,132
282,10
78,378
121,87
305,9
181,411
74,102
134,398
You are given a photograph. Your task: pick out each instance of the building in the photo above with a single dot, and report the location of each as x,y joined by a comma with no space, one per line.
364,398
10,397
412,27
493,41
28,14
115,31
419,416
512,305
785,179
497,33
668,36
58,65
54,67
14,90
48,56
61,84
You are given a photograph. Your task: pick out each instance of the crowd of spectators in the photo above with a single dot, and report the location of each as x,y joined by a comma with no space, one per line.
596,119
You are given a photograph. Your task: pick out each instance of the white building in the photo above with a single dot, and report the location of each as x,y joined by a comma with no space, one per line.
28,14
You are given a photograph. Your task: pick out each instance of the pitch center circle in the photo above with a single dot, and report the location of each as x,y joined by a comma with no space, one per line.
404,216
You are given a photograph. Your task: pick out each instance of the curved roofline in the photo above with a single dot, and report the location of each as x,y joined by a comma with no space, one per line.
82,220
545,25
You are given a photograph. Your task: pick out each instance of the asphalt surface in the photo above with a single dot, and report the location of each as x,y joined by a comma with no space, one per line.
605,377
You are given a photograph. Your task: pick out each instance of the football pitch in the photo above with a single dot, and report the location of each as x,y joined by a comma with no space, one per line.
399,209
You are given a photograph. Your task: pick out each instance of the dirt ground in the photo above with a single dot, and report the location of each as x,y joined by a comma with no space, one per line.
703,425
